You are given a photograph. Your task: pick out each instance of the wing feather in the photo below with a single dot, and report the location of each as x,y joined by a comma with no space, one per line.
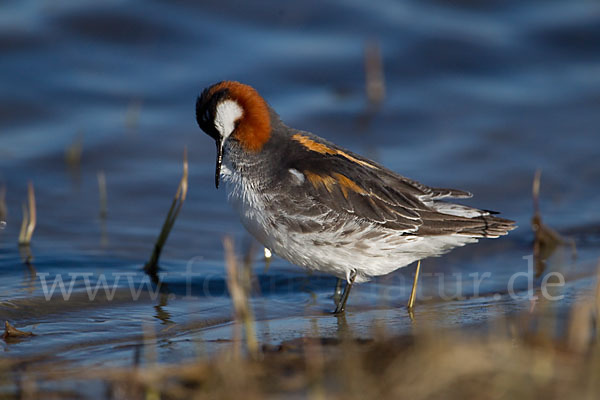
349,184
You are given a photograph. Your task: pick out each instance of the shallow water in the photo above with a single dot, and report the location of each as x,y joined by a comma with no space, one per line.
477,97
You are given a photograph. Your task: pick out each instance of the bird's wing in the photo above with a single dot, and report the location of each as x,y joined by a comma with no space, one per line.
347,183
350,184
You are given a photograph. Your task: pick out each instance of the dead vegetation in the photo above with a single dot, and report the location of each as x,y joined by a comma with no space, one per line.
29,218
239,285
12,333
151,266
3,209
102,194
510,360
546,240
74,152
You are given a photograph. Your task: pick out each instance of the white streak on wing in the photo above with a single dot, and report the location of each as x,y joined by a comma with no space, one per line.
298,176
457,209
227,113
430,197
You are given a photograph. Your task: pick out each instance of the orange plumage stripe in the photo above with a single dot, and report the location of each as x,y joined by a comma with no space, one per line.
323,149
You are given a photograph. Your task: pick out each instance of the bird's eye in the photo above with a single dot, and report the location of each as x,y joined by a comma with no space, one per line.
206,115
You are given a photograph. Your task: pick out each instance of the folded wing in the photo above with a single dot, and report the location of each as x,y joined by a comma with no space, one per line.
349,184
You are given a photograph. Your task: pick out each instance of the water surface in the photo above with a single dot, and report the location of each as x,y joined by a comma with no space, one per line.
478,96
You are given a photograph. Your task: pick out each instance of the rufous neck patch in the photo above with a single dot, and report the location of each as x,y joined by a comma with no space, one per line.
254,126
324,149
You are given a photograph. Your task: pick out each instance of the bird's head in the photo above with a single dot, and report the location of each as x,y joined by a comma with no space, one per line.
229,111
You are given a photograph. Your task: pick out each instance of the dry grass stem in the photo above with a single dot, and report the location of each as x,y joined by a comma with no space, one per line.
3,209
597,305
29,218
546,240
178,200
239,287
102,193
375,83
151,358
74,151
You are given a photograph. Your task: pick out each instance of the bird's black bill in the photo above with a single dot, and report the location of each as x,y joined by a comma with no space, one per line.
219,161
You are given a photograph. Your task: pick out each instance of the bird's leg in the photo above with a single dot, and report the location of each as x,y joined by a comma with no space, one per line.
341,307
337,293
413,292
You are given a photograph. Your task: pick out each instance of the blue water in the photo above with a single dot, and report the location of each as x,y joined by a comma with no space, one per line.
477,97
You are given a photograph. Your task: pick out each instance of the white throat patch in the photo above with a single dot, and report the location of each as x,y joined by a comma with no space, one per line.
227,113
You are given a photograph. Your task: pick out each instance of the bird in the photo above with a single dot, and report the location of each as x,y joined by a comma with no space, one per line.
325,208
